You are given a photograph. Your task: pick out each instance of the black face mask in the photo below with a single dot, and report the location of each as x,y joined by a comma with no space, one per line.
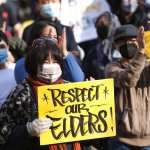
102,32
128,50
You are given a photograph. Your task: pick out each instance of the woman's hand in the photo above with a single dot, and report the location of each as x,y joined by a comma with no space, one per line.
141,40
62,42
90,79
38,126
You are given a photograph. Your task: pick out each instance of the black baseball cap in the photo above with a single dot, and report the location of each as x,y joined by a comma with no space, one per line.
124,31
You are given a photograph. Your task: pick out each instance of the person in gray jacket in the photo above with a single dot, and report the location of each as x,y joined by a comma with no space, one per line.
132,90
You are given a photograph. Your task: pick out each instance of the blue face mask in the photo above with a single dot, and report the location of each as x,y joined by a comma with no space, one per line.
50,10
3,55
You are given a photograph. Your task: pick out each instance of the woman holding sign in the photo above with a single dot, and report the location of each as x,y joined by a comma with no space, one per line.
20,127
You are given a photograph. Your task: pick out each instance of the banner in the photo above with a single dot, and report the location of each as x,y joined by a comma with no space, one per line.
79,111
147,43
82,16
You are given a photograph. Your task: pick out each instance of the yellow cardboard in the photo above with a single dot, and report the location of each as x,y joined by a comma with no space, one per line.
80,111
147,43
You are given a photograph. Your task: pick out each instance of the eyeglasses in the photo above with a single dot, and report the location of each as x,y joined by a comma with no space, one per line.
43,41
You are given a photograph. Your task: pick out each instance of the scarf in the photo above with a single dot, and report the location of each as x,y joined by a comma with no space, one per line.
35,84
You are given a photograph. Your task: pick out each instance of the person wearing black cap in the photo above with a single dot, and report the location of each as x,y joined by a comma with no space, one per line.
132,90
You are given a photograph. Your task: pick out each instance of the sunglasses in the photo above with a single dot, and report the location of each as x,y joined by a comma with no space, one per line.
43,41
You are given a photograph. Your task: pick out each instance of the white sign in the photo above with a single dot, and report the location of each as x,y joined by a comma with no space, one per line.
82,16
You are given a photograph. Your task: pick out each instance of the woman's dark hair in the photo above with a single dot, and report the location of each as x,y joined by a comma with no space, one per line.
40,25
39,52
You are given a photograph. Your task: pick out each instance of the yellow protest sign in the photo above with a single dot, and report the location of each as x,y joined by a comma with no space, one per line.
147,43
79,111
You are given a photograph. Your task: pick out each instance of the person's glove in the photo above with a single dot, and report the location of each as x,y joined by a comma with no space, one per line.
38,126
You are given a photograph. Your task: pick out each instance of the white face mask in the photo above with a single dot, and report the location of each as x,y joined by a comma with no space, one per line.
129,6
49,72
50,10
147,2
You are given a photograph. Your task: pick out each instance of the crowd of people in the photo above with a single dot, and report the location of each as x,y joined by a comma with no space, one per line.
37,49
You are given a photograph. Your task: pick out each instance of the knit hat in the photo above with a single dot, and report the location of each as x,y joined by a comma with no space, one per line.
125,31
